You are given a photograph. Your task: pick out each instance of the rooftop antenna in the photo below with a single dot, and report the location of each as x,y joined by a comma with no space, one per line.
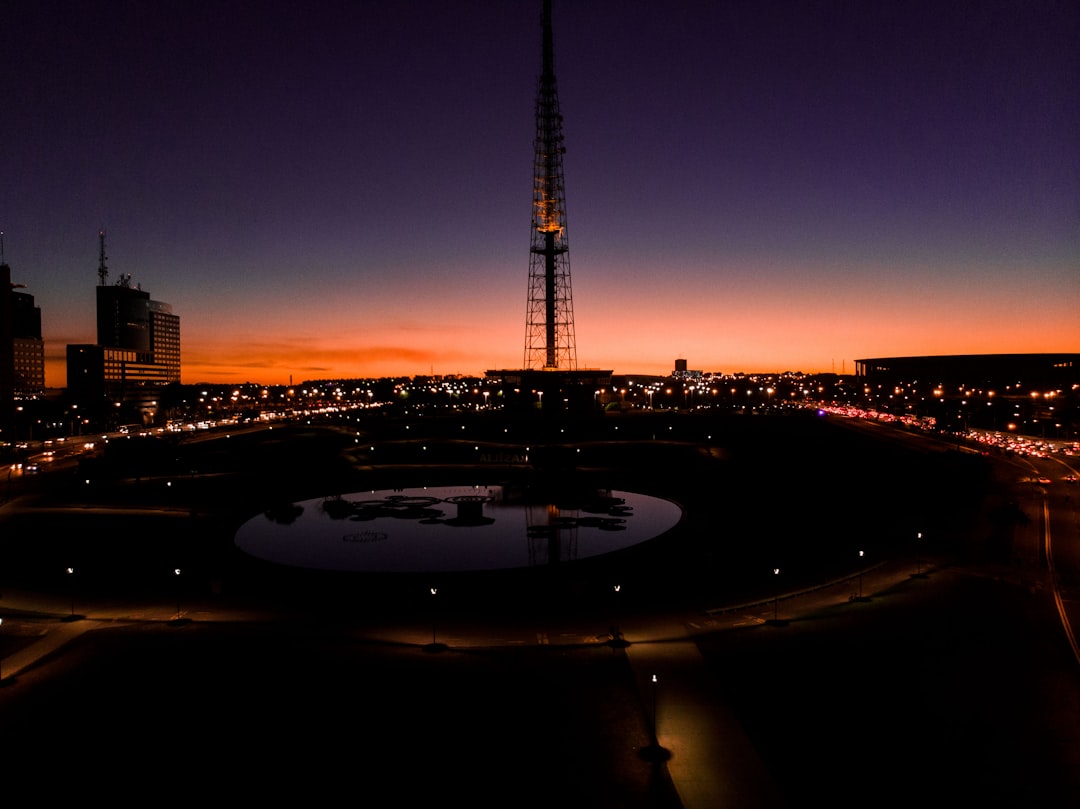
103,271
2,248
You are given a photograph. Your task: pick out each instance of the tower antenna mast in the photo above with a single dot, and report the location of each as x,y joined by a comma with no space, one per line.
549,319
103,270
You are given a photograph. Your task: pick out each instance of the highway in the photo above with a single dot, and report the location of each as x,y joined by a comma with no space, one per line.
1054,499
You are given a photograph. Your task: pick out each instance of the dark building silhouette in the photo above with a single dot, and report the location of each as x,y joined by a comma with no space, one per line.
128,319
549,377
28,347
7,355
22,351
683,372
136,355
1032,394
1023,372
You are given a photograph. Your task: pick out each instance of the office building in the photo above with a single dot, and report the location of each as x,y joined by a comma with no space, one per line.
7,355
22,351
137,354
28,349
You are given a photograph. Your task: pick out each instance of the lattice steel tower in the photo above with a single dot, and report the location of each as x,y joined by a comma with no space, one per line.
549,317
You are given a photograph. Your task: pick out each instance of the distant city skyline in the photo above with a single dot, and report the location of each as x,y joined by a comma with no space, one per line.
345,192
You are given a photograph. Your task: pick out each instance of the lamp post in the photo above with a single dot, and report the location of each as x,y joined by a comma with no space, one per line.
655,738
776,597
860,575
71,587
616,635
434,591
176,573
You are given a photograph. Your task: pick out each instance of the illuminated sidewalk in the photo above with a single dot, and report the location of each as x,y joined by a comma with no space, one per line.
709,758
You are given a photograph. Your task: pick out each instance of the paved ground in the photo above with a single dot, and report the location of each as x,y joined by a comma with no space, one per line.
950,688
915,692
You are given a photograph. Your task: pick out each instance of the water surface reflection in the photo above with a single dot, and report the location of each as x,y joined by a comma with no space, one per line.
452,528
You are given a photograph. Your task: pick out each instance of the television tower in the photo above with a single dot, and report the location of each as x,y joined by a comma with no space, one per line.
549,380
549,317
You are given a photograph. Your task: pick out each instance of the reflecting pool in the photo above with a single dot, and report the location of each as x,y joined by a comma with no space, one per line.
452,528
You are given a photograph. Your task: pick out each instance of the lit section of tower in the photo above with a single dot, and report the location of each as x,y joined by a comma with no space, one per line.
549,317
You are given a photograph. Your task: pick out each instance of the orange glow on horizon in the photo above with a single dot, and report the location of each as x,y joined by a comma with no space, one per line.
621,334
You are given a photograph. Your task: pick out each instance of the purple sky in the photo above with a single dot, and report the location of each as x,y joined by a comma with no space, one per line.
343,188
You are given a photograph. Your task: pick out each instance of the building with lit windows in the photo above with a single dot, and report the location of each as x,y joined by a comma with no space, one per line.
28,349
7,365
137,354
22,351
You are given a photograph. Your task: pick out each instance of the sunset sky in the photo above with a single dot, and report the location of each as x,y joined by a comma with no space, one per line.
342,189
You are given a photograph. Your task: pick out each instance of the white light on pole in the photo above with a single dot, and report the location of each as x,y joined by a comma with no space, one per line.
176,573
617,633
656,739
860,574
776,597
434,591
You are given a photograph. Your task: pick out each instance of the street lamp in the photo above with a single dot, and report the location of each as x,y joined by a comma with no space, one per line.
71,586
860,596
434,591
176,573
655,738
616,634
776,597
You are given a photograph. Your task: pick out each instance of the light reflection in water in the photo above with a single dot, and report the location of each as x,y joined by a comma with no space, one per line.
452,528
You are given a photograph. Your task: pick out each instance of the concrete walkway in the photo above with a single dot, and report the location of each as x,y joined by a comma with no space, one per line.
709,758
711,761
52,623
56,635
